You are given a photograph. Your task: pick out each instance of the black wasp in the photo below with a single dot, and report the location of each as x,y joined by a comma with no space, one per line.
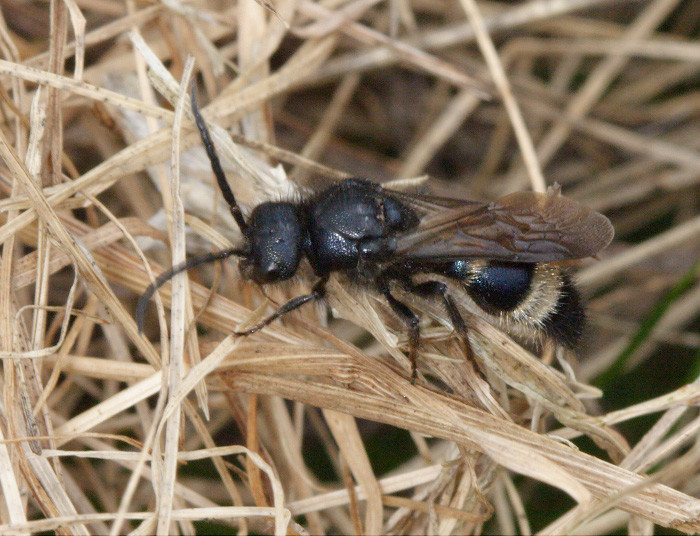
500,252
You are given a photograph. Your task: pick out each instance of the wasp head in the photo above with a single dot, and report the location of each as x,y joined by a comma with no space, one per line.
275,240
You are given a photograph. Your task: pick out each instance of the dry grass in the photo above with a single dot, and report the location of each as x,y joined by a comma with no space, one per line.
185,430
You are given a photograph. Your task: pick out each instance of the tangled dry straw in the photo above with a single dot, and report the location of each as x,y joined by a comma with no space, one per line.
188,429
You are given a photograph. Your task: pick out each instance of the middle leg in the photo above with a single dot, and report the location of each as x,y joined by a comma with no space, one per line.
409,318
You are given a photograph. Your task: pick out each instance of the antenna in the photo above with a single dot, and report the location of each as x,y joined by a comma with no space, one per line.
216,164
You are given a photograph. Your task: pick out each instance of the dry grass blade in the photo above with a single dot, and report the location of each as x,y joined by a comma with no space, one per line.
311,425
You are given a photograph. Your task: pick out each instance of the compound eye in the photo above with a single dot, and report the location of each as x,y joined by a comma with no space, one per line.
500,286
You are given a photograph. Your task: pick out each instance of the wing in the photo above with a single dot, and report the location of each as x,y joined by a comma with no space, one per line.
521,227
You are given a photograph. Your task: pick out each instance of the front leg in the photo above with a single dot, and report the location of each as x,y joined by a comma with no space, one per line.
317,292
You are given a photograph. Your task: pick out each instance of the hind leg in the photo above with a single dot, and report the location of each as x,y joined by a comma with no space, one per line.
438,290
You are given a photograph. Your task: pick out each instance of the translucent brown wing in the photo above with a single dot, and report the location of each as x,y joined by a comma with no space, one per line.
522,227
